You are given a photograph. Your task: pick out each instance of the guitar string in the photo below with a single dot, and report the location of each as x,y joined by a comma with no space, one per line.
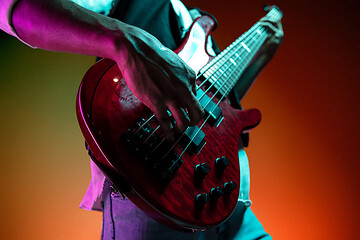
211,64
237,45
229,77
225,83
175,163
233,48
215,61
208,67
229,58
202,125
228,67
274,12
258,45
220,58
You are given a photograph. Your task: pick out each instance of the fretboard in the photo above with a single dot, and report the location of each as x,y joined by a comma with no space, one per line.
226,68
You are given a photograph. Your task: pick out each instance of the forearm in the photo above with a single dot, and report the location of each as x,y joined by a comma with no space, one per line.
61,25
156,75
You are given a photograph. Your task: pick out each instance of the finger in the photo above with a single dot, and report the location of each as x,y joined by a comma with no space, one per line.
269,19
192,77
195,111
181,118
163,119
276,32
270,27
193,87
280,32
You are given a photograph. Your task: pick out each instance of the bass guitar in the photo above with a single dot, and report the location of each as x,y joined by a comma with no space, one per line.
193,182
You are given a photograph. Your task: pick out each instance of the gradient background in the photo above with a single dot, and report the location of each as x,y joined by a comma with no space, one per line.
304,156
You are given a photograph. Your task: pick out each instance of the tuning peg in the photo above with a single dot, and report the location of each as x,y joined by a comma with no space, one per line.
266,7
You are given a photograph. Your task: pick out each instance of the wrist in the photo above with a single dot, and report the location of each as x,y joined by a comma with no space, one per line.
122,43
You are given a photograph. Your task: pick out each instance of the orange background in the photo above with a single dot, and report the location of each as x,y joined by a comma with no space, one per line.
303,156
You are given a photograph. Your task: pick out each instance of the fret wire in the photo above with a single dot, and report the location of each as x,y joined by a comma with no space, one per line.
250,42
272,12
220,75
233,78
254,50
229,48
219,57
258,43
236,52
209,77
240,71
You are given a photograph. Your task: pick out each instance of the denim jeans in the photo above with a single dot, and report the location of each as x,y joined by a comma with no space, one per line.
123,220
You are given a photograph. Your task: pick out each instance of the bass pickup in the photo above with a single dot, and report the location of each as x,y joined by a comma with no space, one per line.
212,111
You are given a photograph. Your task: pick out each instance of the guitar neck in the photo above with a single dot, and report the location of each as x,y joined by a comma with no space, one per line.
225,69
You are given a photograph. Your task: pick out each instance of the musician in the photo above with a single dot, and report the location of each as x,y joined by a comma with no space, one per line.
154,73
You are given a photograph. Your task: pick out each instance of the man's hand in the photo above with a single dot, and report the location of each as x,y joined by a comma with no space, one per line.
155,74
274,41
160,79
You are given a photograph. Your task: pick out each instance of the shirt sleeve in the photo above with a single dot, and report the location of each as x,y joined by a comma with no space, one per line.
6,8
5,16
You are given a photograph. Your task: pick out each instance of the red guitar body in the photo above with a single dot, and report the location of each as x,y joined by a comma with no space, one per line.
107,109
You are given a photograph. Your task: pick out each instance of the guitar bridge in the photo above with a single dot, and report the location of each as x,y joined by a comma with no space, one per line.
151,146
